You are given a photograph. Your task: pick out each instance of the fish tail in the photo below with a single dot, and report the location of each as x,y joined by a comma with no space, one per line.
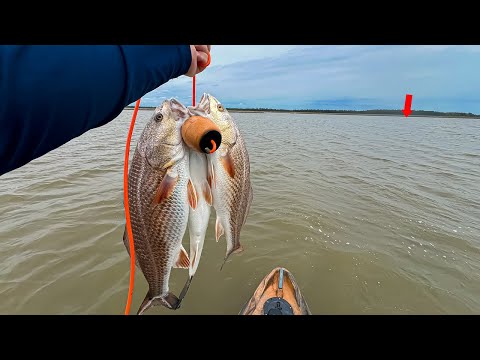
235,250
169,300
184,290
127,246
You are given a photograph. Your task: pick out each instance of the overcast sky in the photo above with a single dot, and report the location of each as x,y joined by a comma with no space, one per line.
357,77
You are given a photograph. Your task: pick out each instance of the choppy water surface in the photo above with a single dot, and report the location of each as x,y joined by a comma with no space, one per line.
371,214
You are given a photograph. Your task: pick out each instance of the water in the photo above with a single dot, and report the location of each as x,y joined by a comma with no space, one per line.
371,214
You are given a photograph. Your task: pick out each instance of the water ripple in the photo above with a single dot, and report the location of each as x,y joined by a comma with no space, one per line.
372,214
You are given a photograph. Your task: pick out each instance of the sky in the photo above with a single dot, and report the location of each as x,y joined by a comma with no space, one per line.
352,77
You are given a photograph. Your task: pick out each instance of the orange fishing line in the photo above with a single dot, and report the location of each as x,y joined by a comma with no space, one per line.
214,146
127,209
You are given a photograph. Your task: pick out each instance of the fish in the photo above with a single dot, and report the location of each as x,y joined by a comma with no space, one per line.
198,217
228,174
161,194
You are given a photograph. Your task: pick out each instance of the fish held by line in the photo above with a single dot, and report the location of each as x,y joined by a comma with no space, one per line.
160,195
228,172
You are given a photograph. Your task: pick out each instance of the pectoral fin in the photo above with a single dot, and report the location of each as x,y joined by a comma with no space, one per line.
166,187
192,195
183,262
127,245
228,165
210,174
207,193
218,229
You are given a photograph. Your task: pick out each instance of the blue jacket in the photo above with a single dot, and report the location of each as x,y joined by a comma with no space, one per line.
52,94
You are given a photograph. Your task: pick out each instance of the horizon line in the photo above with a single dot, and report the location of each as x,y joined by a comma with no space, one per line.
377,111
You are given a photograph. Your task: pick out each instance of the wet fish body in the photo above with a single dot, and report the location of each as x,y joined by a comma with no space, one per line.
228,175
160,195
199,217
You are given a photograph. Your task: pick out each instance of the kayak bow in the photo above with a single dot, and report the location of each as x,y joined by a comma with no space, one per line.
277,294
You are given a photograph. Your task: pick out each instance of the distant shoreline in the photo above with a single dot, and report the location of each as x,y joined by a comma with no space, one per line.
376,112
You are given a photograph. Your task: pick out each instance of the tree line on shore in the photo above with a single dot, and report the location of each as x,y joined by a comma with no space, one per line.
360,112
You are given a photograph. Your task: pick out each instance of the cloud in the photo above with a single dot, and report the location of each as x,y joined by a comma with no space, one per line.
229,54
444,78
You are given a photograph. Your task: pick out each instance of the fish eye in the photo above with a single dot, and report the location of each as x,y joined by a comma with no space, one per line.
158,117
220,107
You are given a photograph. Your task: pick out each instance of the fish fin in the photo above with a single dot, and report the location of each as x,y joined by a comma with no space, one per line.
178,109
235,250
219,231
249,203
170,301
125,240
165,188
207,193
227,163
147,303
204,103
192,195
184,291
127,245
183,262
210,175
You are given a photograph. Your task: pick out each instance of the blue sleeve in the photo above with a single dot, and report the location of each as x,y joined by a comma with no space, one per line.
52,94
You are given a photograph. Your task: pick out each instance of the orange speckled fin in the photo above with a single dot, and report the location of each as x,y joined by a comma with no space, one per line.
207,193
218,229
210,175
192,195
183,262
165,188
227,163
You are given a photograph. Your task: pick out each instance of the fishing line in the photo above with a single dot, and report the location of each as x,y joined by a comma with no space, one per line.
194,81
125,191
214,147
127,209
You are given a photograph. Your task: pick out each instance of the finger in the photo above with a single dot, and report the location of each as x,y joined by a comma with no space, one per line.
202,48
202,59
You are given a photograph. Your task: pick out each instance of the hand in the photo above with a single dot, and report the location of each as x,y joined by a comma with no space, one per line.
199,59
